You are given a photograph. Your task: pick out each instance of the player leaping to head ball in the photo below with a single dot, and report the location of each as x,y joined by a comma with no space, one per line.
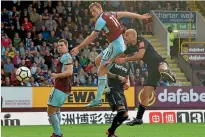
107,22
157,67
62,88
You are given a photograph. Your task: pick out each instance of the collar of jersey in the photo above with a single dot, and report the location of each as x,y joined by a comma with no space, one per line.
100,15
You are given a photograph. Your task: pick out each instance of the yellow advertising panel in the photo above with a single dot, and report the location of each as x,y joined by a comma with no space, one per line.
79,97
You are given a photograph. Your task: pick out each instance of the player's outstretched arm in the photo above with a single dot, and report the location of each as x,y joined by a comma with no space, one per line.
139,55
86,42
133,15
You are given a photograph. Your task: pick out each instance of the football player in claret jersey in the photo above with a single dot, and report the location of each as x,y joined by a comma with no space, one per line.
157,67
108,23
62,87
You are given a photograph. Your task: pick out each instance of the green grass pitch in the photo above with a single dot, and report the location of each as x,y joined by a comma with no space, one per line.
146,130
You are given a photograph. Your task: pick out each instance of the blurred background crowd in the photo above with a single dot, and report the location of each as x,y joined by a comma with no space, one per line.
30,31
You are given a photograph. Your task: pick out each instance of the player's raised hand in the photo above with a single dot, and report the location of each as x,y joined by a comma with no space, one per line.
120,60
75,51
122,79
146,16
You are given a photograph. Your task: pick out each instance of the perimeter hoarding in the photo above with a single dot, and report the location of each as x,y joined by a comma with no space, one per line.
175,98
79,97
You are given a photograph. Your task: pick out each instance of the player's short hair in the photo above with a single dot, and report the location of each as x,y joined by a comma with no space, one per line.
95,4
64,41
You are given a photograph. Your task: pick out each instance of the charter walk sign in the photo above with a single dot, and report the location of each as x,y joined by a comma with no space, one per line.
181,21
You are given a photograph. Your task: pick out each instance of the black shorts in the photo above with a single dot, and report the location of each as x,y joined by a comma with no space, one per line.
154,75
116,98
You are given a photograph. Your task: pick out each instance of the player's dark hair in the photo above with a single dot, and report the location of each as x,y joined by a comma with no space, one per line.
64,41
95,4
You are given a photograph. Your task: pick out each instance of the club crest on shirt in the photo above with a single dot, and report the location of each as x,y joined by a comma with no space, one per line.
68,61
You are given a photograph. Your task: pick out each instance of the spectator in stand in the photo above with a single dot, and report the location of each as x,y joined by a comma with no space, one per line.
43,48
79,39
21,49
54,50
11,32
76,67
24,15
65,33
137,76
49,6
16,40
83,61
39,8
34,17
93,54
168,6
86,52
60,8
8,66
44,32
142,81
142,67
6,41
45,15
30,8
132,80
61,23
34,33
39,40
50,23
23,63
38,58
75,31
27,25
13,14
32,83
48,59
82,75
57,32
39,24
90,82
55,15
7,82
52,38
89,66
32,49
33,69
17,59
5,16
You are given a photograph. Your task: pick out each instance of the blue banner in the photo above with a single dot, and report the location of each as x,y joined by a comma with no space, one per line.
176,17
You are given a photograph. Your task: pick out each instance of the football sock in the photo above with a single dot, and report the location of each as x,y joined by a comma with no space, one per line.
117,121
102,80
141,111
59,116
55,124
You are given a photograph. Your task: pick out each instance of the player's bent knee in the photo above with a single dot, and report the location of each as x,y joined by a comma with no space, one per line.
163,67
51,110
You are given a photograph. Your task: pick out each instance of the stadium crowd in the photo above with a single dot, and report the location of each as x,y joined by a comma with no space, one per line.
30,31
